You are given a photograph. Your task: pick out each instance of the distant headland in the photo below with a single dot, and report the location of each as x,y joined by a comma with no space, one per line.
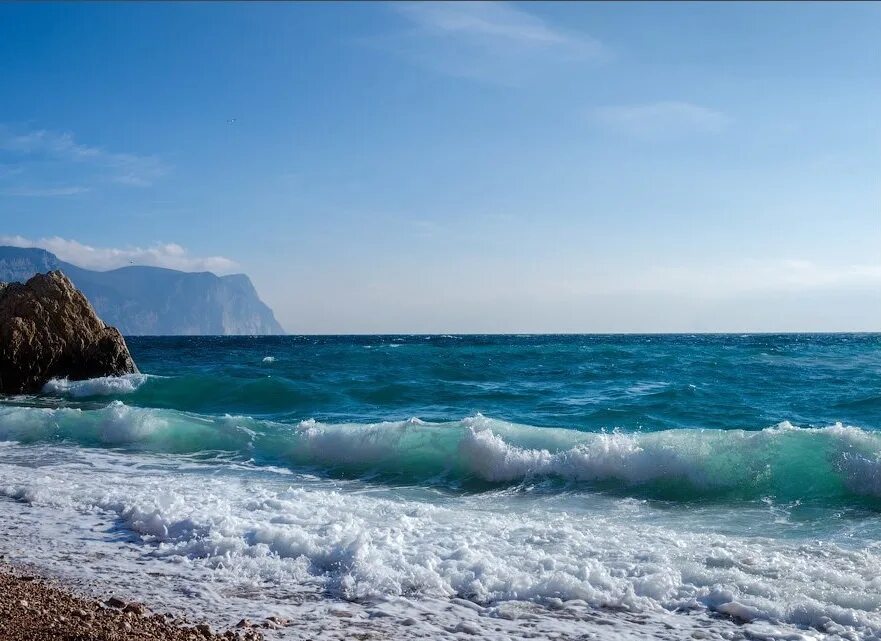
141,300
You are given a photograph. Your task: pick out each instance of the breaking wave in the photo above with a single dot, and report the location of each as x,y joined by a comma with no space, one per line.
478,452
103,386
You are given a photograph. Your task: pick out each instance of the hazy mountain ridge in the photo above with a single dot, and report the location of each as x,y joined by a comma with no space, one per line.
142,300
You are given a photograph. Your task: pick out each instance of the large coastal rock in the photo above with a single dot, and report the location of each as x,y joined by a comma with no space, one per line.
49,330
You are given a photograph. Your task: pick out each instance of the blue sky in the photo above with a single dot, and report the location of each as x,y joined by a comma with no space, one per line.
461,167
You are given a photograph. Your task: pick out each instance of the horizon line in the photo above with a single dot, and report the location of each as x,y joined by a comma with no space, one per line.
522,334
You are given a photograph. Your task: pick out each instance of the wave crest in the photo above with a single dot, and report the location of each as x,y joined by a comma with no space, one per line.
102,386
783,461
605,457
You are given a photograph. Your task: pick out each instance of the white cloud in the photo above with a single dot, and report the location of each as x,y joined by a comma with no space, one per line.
489,19
45,192
42,144
170,255
490,41
661,120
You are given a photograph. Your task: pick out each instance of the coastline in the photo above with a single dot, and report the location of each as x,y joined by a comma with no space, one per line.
38,608
217,489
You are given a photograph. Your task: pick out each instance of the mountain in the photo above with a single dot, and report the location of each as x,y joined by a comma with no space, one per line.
152,300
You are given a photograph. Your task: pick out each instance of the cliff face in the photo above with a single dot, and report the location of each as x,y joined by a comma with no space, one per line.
153,300
49,330
17,264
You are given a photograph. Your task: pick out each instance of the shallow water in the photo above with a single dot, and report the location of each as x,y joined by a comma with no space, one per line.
439,486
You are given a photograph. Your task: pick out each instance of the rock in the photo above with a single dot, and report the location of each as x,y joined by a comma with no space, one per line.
49,330
204,629
115,602
244,623
135,608
274,623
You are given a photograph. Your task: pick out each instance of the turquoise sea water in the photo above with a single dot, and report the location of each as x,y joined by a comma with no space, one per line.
588,383
723,476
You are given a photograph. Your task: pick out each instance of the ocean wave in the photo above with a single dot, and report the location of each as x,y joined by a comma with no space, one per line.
102,386
783,460
364,545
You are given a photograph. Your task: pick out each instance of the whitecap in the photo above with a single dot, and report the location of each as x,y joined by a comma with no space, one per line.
488,560
102,386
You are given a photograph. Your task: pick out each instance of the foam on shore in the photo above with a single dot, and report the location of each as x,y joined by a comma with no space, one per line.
556,560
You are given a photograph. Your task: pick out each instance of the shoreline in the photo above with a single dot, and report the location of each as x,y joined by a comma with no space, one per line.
34,607
59,607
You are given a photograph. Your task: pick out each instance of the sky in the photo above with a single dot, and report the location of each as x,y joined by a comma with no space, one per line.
461,168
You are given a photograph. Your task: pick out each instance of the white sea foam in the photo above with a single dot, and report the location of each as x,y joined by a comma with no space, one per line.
103,386
783,460
269,359
118,424
604,456
122,424
708,459
242,543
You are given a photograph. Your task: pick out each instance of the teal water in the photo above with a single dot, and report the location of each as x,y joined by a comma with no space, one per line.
733,475
587,383
677,417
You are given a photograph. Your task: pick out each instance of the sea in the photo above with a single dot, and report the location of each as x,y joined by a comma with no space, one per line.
466,487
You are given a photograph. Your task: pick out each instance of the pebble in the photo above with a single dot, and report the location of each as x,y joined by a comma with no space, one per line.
34,609
135,608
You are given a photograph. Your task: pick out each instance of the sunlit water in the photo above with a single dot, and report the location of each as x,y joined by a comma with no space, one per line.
447,487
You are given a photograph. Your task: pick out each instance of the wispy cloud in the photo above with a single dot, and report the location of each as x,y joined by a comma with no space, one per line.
45,192
170,255
46,146
489,41
661,120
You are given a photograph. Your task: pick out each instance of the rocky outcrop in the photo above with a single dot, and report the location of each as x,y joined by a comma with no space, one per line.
49,330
